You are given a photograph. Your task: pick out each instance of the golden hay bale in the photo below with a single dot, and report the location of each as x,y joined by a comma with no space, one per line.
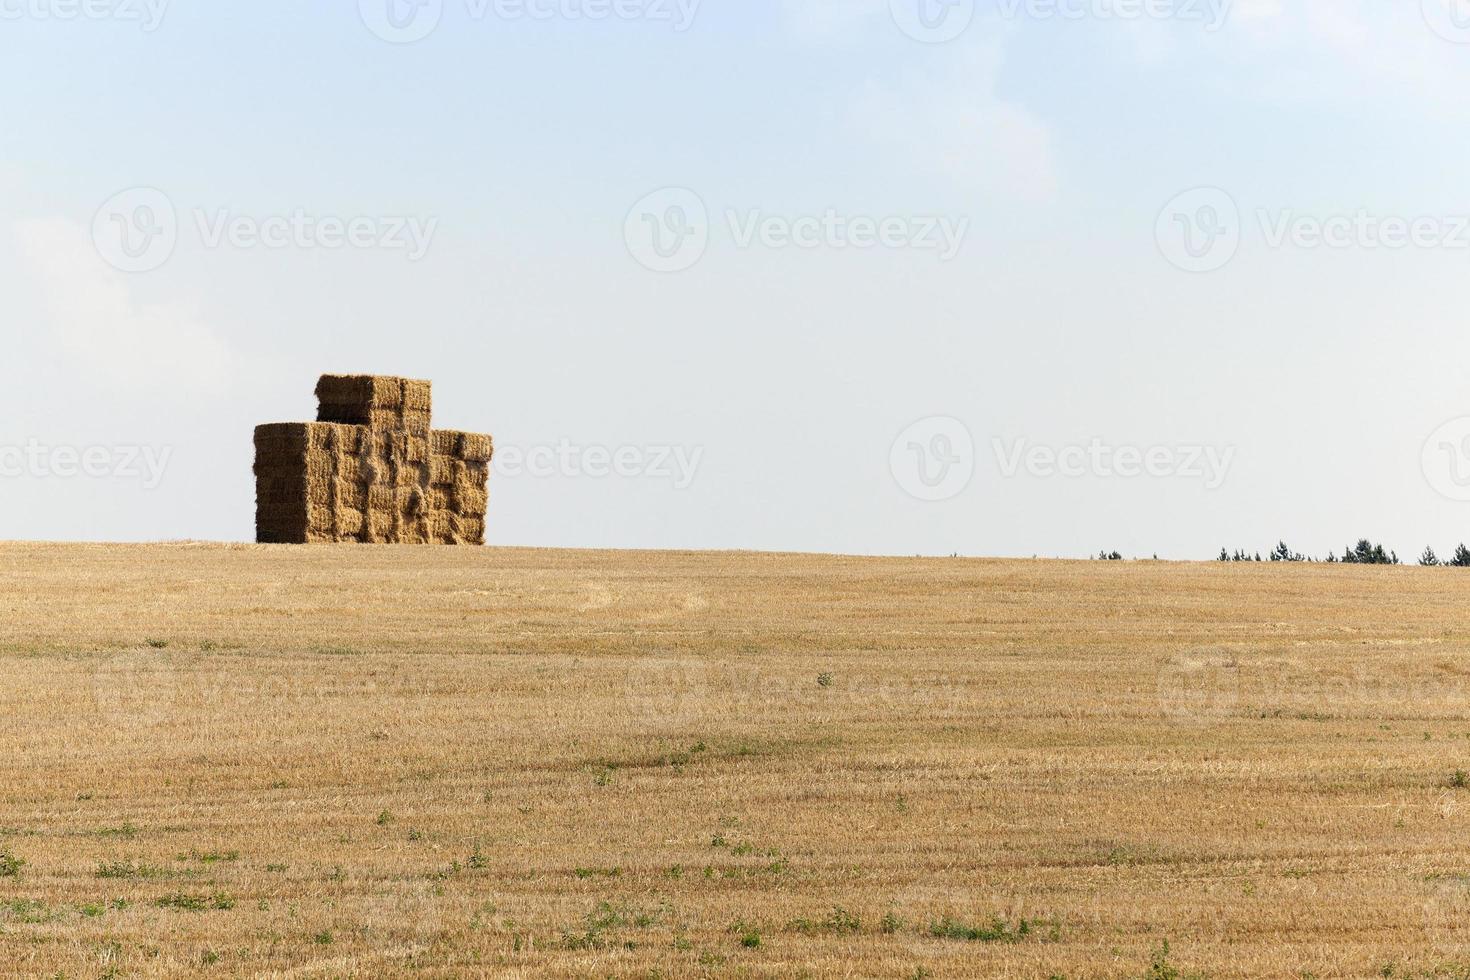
441,471
412,502
476,448
340,522
470,473
374,400
382,499
470,501
360,391
371,469
418,396
463,445
472,530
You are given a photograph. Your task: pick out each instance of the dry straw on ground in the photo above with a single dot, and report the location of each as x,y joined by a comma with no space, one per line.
371,469
366,762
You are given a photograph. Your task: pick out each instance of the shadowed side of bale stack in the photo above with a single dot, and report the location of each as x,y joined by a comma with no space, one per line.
370,470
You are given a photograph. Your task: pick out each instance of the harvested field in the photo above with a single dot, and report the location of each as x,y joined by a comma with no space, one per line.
365,761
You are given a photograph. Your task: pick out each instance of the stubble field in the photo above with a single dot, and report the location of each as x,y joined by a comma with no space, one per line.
368,761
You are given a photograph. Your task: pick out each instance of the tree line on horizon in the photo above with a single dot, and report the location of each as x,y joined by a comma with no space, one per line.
1365,552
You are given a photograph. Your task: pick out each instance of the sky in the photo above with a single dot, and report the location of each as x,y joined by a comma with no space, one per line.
977,277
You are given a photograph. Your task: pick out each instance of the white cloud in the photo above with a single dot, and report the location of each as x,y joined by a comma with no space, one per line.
948,122
96,322
1346,51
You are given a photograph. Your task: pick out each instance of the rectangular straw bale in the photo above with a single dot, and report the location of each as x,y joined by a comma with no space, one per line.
353,398
352,496
444,442
341,522
349,469
401,445
447,527
378,528
418,396
415,421
374,471
290,438
463,445
412,501
280,483
472,530
280,438
335,493
475,447
441,471
413,475
413,532
281,523
382,498
470,500
471,472
371,469
271,499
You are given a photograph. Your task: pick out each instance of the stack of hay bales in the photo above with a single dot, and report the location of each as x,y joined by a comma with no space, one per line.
371,469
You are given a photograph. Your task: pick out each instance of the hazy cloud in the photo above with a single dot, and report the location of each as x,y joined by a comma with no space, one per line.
95,321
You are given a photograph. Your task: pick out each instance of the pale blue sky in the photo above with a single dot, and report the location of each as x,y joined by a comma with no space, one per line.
788,373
